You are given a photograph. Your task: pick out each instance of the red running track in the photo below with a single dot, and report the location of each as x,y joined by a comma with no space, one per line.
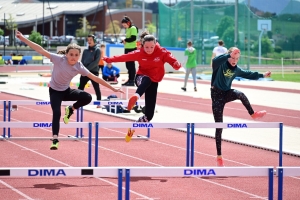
165,148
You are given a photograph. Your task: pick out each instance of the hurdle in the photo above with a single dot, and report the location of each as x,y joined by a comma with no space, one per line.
140,125
38,103
278,125
111,103
114,103
48,125
61,172
285,171
4,117
198,172
79,113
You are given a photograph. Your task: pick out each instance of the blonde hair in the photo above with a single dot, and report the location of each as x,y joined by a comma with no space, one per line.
230,50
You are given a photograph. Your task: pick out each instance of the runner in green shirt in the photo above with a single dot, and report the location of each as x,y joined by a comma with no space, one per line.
191,54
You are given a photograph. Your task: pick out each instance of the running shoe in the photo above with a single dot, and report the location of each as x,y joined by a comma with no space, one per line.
259,114
54,145
195,89
69,112
132,102
220,162
129,135
183,88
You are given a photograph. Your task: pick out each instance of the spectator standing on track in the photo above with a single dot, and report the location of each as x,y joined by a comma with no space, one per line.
65,68
190,63
90,59
111,73
151,58
129,45
219,50
225,69
101,62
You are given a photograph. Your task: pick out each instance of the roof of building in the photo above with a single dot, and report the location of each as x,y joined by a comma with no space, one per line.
24,13
116,11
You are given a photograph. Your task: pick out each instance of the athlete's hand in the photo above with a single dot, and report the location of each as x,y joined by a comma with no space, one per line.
267,74
19,35
106,59
176,65
118,90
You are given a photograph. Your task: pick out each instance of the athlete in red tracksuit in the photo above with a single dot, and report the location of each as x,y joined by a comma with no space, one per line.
151,58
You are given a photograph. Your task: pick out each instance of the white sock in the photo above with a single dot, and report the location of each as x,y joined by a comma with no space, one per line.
138,96
55,136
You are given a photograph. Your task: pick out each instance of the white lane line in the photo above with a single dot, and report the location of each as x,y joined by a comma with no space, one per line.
16,190
231,188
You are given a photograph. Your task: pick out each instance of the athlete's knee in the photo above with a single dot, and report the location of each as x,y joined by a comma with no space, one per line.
241,95
86,97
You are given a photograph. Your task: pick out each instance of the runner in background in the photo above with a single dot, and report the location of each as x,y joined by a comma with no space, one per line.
190,64
90,59
218,50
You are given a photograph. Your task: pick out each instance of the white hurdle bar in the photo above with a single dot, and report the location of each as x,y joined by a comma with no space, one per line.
236,125
61,172
38,103
198,172
285,171
4,115
110,103
49,125
147,125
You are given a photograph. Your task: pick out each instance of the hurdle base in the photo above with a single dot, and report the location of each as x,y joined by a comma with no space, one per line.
74,137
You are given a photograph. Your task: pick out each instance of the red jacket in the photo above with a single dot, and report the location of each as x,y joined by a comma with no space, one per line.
151,65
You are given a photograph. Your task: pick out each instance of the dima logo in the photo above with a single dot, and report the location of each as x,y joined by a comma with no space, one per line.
46,125
46,172
115,103
144,125
199,172
236,125
43,103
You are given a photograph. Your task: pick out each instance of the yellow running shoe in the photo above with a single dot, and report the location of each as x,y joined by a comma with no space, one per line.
129,135
54,145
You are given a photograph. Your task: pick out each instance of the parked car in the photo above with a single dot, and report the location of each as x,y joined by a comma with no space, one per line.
66,38
54,40
3,40
45,39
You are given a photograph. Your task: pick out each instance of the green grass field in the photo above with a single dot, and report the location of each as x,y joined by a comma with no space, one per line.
294,77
